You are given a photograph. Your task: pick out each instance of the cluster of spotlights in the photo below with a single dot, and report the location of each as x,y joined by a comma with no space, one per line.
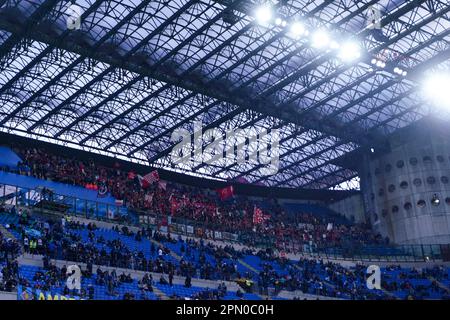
347,51
400,71
320,39
378,63
382,64
280,22
298,29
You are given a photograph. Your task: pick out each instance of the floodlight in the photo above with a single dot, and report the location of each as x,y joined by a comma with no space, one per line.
350,51
320,39
263,14
436,89
297,29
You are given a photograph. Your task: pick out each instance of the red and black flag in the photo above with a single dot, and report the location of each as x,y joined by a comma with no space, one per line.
225,193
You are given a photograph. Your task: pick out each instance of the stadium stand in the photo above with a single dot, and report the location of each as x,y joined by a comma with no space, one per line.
191,203
224,150
152,251
193,259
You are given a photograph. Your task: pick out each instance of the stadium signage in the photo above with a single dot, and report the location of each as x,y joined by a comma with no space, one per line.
223,148
26,293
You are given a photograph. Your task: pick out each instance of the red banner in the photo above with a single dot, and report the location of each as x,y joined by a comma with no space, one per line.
225,193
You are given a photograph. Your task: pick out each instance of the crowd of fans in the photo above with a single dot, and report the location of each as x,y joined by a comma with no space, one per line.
8,275
54,239
9,250
52,276
202,206
57,240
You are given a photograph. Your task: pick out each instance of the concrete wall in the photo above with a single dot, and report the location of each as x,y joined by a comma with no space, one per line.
399,187
351,207
290,295
8,295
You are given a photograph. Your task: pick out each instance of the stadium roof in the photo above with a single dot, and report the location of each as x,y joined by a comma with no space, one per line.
137,70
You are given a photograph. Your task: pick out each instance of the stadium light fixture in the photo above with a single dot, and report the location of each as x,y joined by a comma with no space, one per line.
264,14
435,200
320,39
380,64
280,22
436,89
400,72
349,51
334,45
298,29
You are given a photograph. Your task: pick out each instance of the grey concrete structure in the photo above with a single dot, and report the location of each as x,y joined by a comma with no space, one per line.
407,189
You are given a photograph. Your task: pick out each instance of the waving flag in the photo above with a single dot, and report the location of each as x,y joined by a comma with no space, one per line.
148,179
152,177
225,193
162,184
258,216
